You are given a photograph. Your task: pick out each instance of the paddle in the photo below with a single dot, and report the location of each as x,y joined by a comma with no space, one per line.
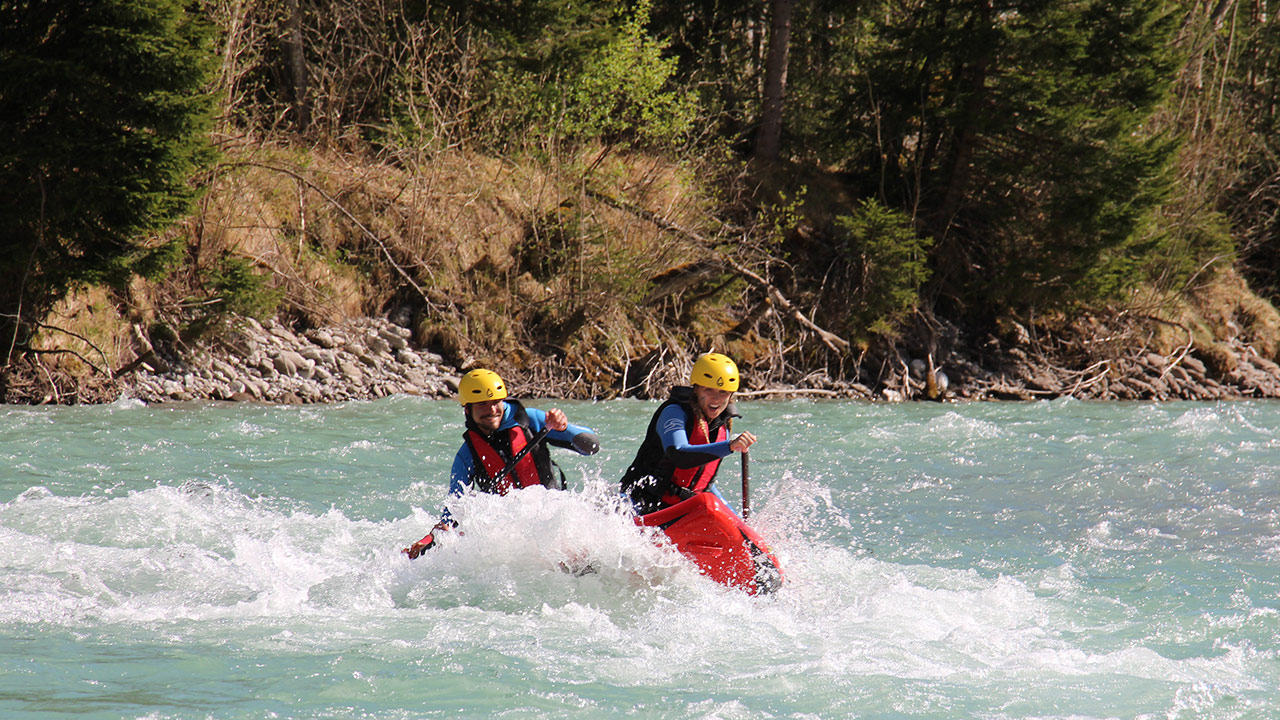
746,501
429,540
511,465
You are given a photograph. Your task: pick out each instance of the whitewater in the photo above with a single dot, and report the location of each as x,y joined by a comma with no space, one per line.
1049,560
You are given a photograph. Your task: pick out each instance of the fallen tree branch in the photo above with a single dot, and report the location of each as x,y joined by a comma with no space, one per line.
785,391
386,252
1191,341
64,351
53,385
1081,384
831,340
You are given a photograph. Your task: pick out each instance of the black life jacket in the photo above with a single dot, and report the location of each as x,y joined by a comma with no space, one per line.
653,480
491,453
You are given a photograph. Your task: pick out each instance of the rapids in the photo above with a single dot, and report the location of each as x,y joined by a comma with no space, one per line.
1021,560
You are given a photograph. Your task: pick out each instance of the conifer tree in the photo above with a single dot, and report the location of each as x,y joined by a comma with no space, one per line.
1015,134
105,116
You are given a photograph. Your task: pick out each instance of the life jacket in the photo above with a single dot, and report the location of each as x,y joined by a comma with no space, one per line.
653,480
491,453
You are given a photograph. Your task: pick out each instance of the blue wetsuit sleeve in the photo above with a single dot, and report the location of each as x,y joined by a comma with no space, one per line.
578,438
460,473
675,440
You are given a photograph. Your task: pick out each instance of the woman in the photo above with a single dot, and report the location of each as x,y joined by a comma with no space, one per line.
687,438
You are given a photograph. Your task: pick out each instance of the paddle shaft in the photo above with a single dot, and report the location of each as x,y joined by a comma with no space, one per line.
537,438
746,496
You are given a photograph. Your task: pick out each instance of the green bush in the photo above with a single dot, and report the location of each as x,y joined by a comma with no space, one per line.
624,90
888,263
241,290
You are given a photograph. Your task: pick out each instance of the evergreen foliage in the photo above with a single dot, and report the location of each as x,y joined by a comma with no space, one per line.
1012,155
105,115
888,262
240,290
522,58
1015,134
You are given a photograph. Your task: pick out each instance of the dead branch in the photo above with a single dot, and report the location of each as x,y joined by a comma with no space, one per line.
831,340
386,252
57,398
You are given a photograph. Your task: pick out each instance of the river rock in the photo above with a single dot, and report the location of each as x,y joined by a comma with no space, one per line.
1194,366
359,360
377,343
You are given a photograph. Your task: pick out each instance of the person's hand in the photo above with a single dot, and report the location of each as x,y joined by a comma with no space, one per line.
429,541
742,442
556,420
423,545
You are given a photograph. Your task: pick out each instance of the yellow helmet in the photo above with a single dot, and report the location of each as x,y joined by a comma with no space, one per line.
715,371
481,386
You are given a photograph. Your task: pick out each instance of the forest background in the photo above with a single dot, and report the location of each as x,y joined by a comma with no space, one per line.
1041,197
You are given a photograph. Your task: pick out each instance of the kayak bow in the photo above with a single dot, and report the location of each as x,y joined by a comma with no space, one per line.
723,547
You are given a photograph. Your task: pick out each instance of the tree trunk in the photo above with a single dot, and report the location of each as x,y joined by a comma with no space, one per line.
958,169
769,133
297,69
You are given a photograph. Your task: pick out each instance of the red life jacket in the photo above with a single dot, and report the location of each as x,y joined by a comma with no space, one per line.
697,478
525,473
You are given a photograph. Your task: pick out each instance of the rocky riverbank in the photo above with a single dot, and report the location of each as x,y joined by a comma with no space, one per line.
360,360
370,358
1018,364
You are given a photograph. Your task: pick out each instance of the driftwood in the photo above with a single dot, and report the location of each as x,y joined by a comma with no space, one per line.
830,339
789,391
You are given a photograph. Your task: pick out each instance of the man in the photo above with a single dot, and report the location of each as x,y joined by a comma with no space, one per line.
687,438
499,452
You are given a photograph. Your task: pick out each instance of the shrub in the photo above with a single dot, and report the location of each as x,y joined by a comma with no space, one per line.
887,260
241,290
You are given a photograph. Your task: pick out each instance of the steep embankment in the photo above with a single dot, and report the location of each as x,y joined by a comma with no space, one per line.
589,279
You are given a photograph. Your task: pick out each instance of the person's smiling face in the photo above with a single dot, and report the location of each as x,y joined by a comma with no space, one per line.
710,401
487,415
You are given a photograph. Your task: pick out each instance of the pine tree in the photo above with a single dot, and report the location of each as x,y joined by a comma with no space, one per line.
1014,132
105,118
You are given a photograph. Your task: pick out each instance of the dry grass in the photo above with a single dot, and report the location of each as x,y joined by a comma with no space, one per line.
85,334
1230,310
503,263
519,265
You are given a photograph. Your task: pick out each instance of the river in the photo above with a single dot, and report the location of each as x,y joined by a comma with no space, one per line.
988,560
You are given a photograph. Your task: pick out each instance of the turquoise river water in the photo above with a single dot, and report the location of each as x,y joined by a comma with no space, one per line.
989,561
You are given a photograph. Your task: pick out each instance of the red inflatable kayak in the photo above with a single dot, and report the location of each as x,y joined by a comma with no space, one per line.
725,548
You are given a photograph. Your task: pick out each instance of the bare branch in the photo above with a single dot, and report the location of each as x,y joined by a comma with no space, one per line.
831,340
45,326
386,252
